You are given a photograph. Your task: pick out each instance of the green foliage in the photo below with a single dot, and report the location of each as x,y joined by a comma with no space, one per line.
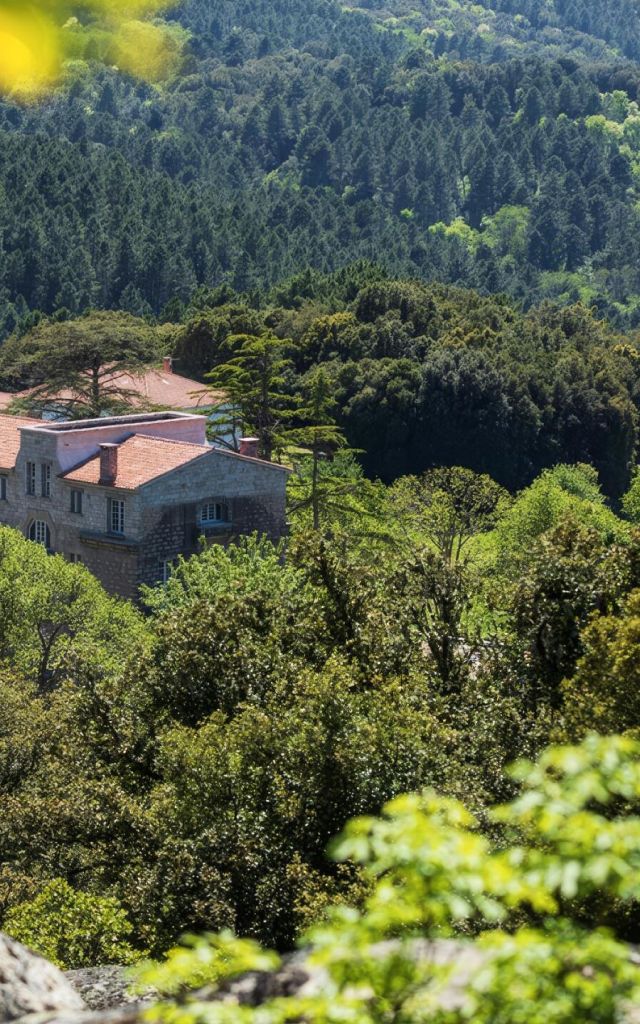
201,341
252,796
251,566
571,576
83,359
558,496
506,232
194,764
631,500
603,691
433,873
509,139
346,499
252,383
320,437
204,961
448,508
72,929
23,723
53,612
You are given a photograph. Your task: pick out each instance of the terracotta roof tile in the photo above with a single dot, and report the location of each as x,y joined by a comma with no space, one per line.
10,438
154,387
141,458
6,398
171,390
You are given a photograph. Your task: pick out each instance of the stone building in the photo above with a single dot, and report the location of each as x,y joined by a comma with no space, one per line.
126,495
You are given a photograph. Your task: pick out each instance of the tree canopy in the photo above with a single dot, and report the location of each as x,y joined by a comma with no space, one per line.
80,367
493,145
429,872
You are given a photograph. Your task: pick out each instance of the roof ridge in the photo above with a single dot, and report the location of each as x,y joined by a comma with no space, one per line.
168,440
160,370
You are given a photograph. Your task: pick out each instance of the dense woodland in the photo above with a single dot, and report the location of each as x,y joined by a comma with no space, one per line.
184,766
492,149
430,375
420,375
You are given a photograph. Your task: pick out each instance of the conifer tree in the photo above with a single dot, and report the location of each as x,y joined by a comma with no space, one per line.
254,396
82,366
320,437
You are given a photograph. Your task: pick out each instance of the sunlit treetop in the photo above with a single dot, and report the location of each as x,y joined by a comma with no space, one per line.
39,38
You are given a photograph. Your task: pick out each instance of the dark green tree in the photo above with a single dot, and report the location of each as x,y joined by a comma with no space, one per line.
253,383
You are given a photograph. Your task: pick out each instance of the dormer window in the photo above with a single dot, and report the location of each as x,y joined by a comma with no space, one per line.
214,512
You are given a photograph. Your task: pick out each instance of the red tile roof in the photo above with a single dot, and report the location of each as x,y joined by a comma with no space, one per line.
10,438
168,389
152,388
141,458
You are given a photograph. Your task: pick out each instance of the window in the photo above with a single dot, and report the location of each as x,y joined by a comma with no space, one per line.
3,488
76,502
31,478
76,559
116,515
164,570
40,533
214,512
45,478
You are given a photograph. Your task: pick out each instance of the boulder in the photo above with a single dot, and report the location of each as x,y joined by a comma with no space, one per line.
29,984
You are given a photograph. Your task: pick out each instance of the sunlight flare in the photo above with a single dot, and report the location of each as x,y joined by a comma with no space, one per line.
36,39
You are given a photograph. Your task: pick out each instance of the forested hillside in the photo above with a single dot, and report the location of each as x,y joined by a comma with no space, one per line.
400,245
495,146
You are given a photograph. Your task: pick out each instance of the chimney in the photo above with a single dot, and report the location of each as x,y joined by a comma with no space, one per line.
167,364
249,447
108,464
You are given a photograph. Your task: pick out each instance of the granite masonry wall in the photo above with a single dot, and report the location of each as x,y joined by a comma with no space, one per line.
252,490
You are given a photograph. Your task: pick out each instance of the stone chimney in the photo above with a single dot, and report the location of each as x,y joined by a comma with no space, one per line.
167,364
249,447
108,464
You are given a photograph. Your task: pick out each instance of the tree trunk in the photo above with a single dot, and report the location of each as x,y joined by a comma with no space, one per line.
314,491
95,391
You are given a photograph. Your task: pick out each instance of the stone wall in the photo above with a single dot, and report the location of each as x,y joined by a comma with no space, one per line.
254,491
264,513
167,533
114,562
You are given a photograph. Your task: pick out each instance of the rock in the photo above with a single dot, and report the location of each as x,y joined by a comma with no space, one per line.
29,984
295,977
105,988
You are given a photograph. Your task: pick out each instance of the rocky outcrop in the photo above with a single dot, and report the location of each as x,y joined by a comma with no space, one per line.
106,988
31,985
32,991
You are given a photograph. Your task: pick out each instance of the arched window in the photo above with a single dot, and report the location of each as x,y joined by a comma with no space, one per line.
40,533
